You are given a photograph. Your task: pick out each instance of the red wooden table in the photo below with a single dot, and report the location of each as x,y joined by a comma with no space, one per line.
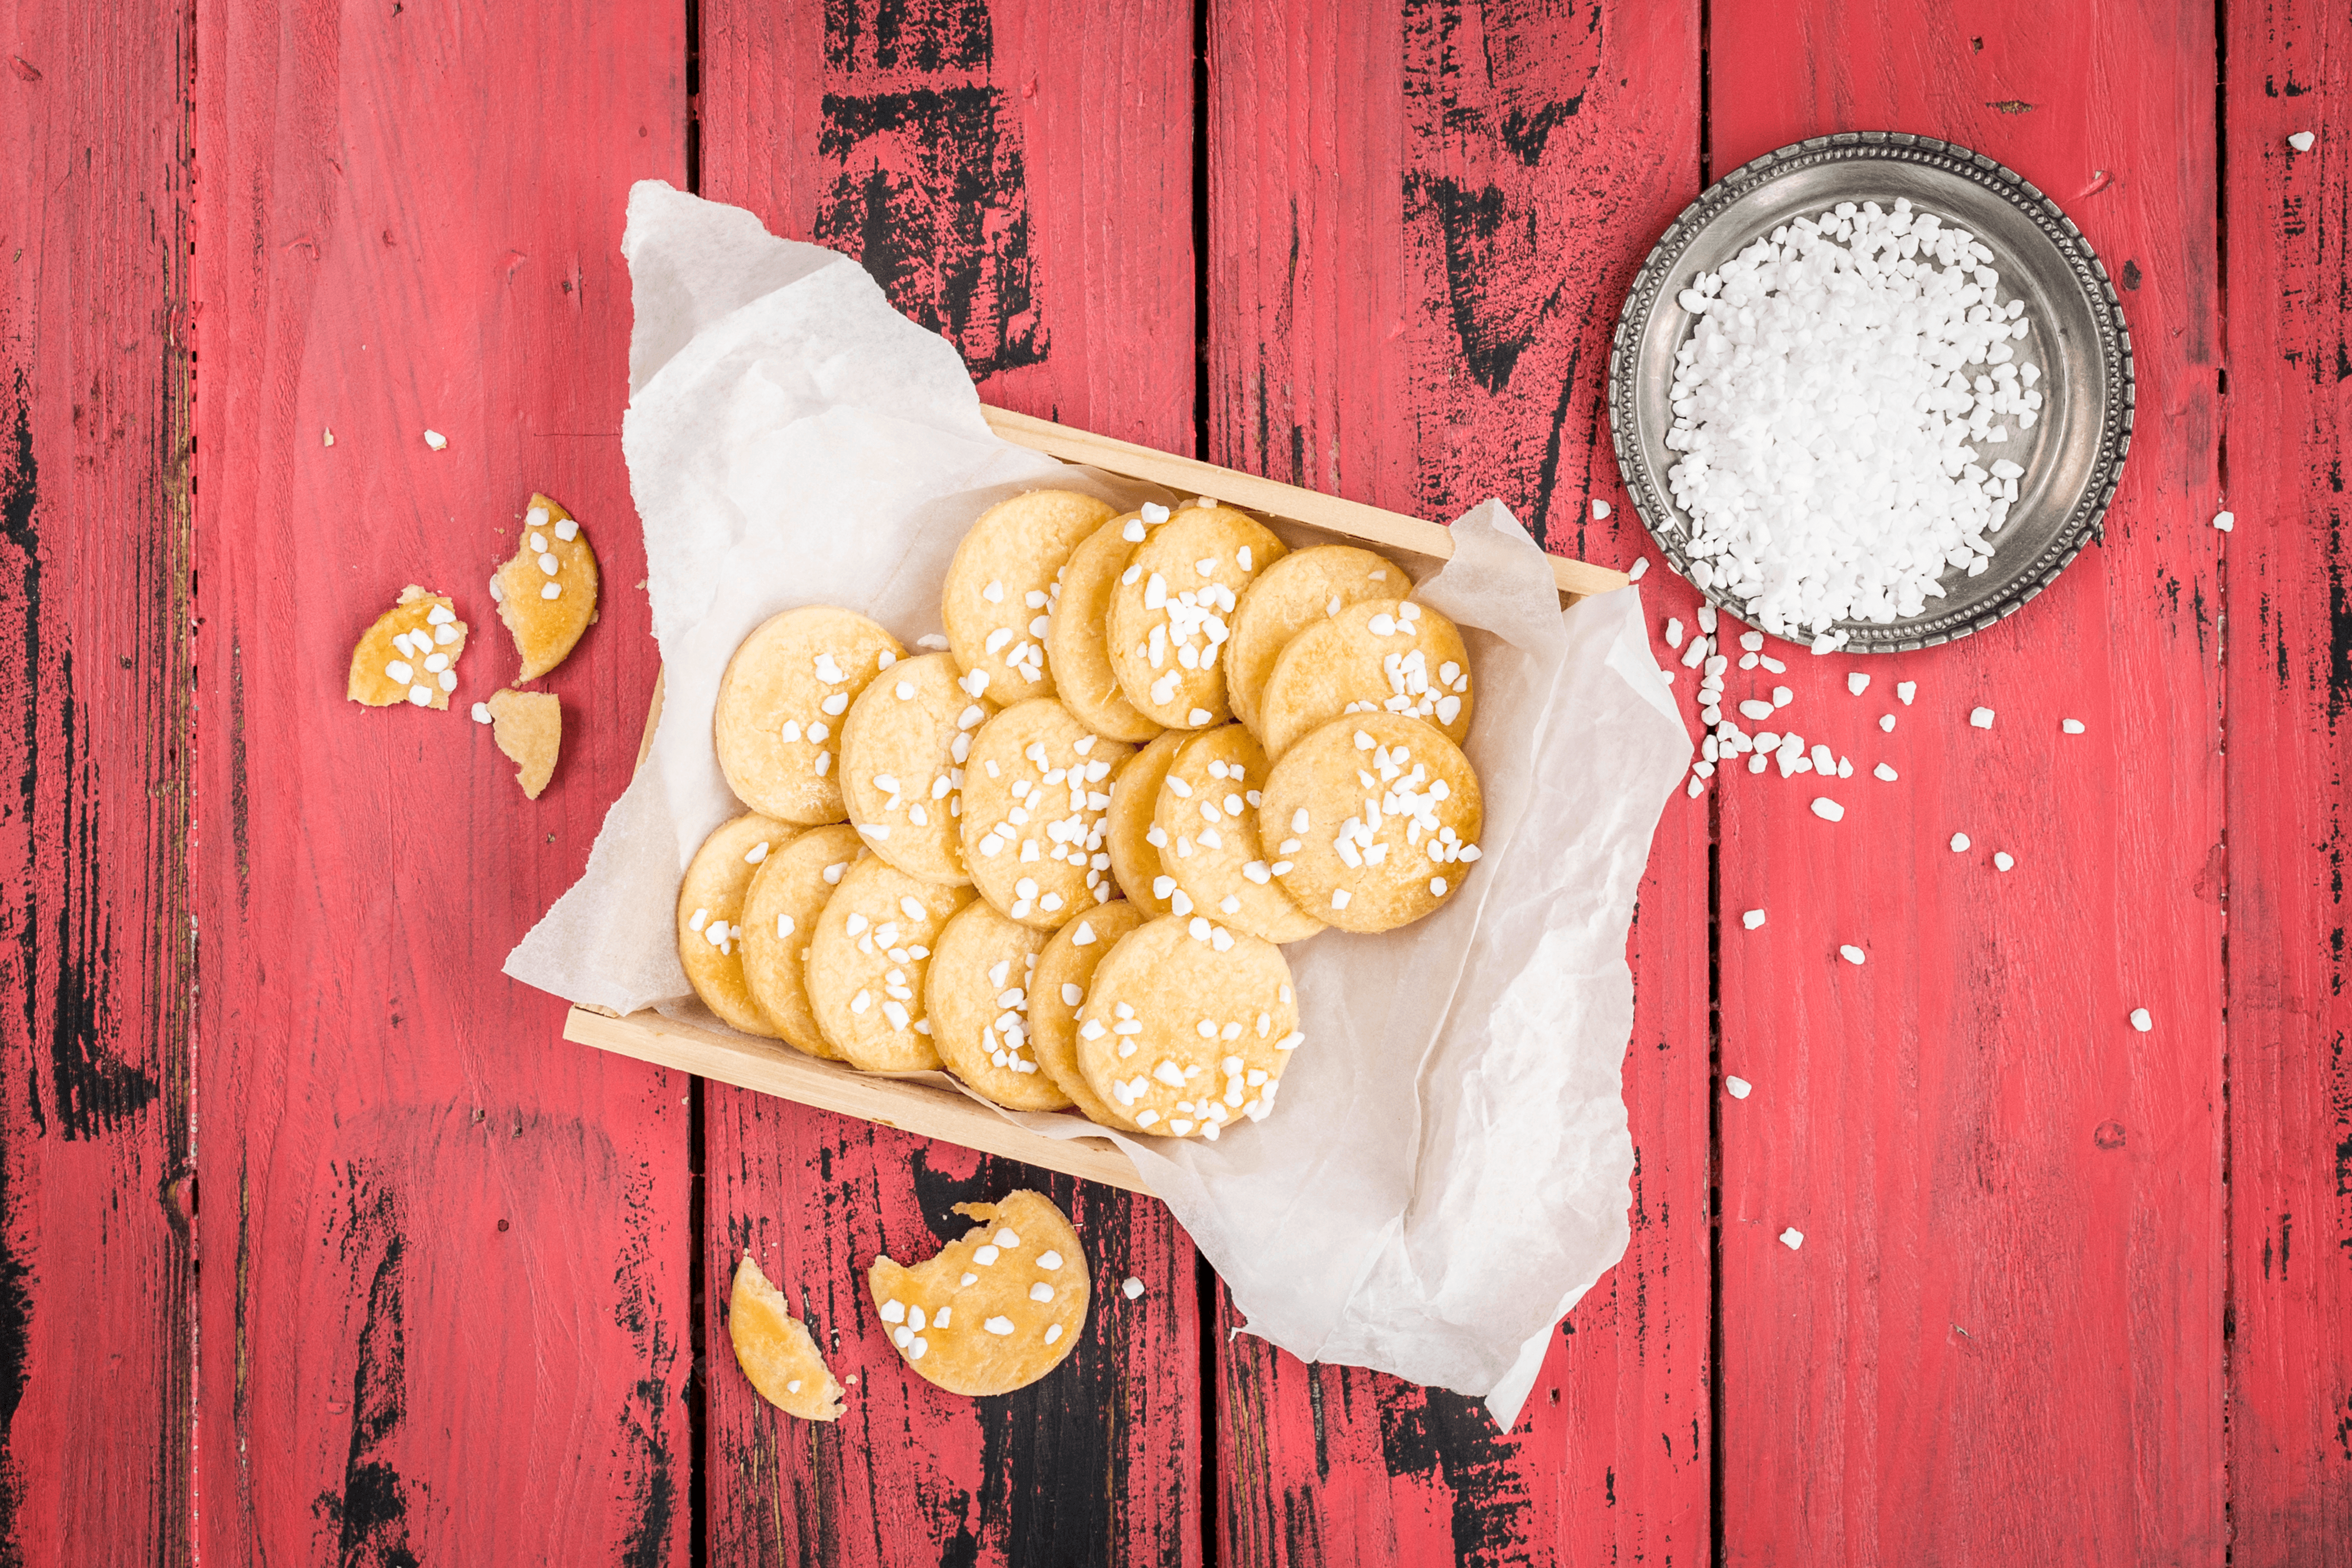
318,1246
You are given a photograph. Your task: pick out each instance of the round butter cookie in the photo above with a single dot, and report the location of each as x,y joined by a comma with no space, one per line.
1034,791
999,598
1379,654
866,964
1207,820
1364,768
994,1311
1183,1033
710,902
1170,615
782,701
978,999
1057,988
1076,655
779,921
1303,587
903,746
1132,839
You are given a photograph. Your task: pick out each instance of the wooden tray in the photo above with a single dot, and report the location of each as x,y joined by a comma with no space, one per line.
769,1066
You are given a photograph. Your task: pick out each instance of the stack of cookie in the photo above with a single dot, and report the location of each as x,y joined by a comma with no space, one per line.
1059,856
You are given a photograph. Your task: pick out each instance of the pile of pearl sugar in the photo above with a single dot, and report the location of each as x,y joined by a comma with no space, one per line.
1827,405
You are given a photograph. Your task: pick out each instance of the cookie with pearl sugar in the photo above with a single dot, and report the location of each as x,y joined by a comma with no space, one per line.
903,746
1034,791
998,601
546,593
1078,649
774,1350
1187,1026
1388,656
997,1308
1206,815
1303,587
781,704
978,999
1057,988
409,654
1375,820
868,963
780,913
710,901
1171,613
1130,833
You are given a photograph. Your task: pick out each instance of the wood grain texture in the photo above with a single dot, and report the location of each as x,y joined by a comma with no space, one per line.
1017,176
445,1317
1999,1339
95,1189
2288,591
1422,219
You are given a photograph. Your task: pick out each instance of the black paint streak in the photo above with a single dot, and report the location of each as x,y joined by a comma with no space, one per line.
15,1364
1430,1431
2131,275
643,1419
2340,626
1480,231
370,1513
930,189
1538,518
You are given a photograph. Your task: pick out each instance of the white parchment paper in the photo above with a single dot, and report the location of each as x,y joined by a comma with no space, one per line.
1448,1170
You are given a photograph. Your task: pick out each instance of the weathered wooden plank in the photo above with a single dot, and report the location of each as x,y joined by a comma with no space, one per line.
96,1188
2287,429
1423,218
1019,177
446,1313
2000,1332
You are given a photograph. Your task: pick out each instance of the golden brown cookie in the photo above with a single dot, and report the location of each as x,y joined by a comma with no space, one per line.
781,705
547,593
1057,988
1130,835
775,1351
1303,587
995,1311
999,598
867,961
1375,818
527,726
1076,653
978,999
710,900
410,654
1183,1031
779,921
1207,820
903,745
1376,656
1170,615
1034,791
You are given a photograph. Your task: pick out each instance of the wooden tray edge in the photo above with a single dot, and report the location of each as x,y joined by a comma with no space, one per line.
910,1106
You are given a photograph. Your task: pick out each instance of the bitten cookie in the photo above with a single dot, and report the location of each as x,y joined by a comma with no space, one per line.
1034,791
1375,819
1182,1034
782,698
995,1311
903,746
867,962
1131,837
779,921
1207,820
409,654
978,997
1377,656
999,598
775,1351
1170,613
546,594
1077,654
1303,587
710,901
1057,988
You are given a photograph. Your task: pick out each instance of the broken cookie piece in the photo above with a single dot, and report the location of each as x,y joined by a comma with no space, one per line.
410,654
996,1310
528,728
547,593
775,1351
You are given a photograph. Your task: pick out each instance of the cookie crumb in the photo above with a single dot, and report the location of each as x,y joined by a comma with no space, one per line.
528,728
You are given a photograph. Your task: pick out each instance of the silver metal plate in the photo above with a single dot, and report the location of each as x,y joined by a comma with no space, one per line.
2073,457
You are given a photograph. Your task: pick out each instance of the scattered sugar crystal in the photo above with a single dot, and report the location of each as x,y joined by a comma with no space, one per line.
1739,1088
2141,1021
2302,141
2002,861
1752,919
1793,1238
2070,726
1980,718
